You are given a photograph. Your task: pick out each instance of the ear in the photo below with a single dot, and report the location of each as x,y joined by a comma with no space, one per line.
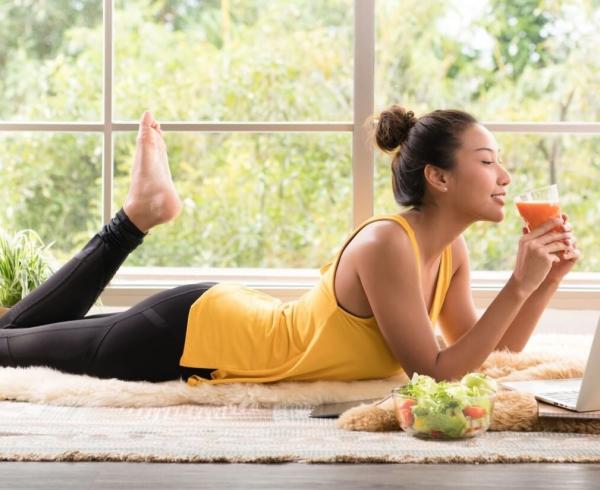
436,177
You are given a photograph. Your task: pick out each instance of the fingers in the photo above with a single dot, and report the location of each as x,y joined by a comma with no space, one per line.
554,229
573,254
564,251
549,237
563,236
545,228
555,247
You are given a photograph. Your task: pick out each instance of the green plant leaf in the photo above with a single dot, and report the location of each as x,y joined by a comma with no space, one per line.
24,265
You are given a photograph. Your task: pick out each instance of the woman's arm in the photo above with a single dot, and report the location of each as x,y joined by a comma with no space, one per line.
527,293
518,334
471,350
459,315
400,317
520,330
387,269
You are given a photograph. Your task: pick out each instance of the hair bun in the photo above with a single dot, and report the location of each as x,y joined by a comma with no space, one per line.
393,127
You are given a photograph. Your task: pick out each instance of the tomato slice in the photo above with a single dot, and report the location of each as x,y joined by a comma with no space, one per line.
474,412
408,403
407,418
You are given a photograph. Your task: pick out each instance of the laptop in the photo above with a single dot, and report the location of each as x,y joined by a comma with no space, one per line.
576,394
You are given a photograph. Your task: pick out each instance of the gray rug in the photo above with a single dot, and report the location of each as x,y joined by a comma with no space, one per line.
193,433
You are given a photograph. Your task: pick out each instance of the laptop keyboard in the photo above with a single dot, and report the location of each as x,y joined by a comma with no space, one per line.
563,396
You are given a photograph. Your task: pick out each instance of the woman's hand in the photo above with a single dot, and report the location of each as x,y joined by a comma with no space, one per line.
568,258
537,255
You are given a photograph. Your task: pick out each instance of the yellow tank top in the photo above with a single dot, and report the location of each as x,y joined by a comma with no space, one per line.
253,337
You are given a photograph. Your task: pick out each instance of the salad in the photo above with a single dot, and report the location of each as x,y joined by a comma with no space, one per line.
445,409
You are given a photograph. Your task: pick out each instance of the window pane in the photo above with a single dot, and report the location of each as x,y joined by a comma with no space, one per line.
51,183
250,200
51,60
531,160
244,60
513,61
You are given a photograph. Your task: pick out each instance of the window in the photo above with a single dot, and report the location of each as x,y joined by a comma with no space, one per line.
263,105
234,60
51,60
255,98
527,69
259,200
52,183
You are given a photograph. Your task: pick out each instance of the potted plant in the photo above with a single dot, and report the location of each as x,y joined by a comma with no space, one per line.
24,264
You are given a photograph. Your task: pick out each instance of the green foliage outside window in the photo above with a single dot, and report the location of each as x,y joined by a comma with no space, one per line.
285,200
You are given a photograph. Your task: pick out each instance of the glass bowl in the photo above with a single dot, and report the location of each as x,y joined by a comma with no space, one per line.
427,422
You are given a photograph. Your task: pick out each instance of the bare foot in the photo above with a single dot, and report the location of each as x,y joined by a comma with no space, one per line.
152,197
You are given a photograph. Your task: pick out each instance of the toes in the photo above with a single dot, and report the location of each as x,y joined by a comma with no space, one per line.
147,124
147,119
156,126
149,132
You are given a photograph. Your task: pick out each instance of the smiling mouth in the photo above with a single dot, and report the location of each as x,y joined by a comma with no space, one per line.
499,197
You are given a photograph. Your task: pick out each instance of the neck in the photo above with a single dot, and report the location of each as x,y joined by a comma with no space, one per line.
435,228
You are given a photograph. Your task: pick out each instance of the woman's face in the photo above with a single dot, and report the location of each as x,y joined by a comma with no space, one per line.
478,181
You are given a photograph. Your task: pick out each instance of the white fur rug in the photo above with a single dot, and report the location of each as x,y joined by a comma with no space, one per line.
50,387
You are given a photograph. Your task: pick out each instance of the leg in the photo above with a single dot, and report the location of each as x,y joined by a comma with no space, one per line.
70,292
143,343
152,199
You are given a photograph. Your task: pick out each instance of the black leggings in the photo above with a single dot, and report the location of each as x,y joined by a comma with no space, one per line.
49,327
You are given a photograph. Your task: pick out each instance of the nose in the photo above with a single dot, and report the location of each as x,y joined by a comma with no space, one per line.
503,177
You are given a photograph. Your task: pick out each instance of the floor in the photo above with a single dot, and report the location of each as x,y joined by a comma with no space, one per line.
130,476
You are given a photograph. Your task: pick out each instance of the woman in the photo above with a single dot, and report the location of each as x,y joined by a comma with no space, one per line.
370,315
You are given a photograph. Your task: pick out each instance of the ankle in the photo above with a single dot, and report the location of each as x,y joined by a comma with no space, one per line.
137,217
120,231
130,225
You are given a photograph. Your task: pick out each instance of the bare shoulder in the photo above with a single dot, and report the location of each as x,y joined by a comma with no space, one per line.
358,257
382,233
383,244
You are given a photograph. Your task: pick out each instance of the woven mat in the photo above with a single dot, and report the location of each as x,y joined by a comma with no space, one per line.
192,433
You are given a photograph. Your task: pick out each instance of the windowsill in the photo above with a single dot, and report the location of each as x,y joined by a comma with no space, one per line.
579,290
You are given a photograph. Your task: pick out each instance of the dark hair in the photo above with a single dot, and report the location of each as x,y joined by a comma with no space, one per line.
415,142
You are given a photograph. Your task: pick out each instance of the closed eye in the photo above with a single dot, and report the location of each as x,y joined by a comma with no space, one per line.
486,162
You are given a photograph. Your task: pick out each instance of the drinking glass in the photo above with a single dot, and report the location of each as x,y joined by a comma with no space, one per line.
538,206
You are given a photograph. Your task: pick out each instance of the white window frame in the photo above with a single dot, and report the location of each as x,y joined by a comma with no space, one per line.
131,284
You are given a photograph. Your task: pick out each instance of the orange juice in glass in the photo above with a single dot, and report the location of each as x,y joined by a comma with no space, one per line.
538,206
